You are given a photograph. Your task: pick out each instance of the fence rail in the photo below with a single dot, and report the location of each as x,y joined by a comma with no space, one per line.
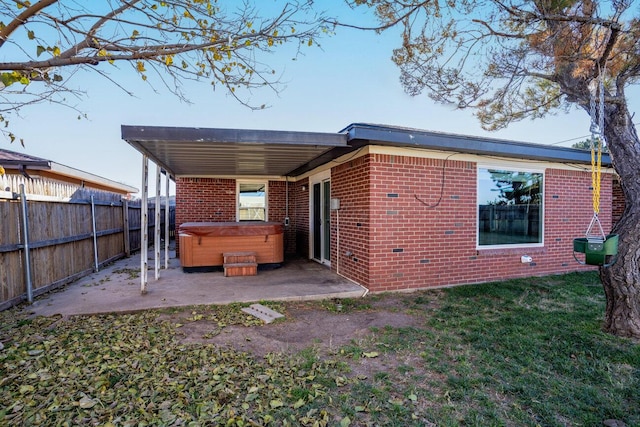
61,240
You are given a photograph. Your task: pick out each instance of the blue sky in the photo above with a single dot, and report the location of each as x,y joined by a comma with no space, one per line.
351,79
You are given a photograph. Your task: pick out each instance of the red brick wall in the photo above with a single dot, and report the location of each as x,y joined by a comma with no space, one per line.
405,233
569,210
299,211
400,227
277,205
214,200
422,226
205,199
350,182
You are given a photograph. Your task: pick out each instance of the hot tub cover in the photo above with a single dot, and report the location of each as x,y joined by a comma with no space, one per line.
244,228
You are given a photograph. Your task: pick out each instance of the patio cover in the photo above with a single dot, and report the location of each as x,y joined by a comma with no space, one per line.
185,151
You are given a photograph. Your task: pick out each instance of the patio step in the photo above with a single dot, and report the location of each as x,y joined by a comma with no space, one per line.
240,264
261,312
238,257
240,269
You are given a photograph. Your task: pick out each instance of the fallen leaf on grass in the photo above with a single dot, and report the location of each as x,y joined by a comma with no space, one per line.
86,403
276,404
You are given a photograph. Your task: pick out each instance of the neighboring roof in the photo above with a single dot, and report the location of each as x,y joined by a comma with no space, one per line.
27,164
16,160
246,152
229,152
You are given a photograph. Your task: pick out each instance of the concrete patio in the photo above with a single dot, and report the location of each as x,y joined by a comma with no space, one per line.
116,288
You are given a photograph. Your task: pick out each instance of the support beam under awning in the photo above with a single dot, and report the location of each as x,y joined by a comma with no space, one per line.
144,225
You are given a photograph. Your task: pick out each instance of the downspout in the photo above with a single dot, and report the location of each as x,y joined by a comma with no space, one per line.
338,242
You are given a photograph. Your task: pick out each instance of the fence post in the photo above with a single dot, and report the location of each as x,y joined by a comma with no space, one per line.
95,235
25,244
125,226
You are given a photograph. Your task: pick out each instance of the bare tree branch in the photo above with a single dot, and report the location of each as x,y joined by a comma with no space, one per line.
499,33
411,10
174,40
18,21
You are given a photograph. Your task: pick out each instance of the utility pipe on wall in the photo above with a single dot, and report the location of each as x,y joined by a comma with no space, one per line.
337,211
338,241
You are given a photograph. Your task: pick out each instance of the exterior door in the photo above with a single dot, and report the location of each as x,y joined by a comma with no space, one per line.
321,223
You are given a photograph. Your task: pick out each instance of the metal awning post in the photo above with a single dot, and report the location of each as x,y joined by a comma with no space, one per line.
144,225
156,227
166,221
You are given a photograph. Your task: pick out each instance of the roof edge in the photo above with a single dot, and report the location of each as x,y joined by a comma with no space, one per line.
131,133
89,177
358,133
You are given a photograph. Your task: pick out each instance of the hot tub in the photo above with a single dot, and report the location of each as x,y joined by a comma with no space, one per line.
203,243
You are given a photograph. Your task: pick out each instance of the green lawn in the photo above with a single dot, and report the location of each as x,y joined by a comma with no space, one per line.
518,353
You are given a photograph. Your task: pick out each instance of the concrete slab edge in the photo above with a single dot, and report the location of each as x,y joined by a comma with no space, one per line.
314,297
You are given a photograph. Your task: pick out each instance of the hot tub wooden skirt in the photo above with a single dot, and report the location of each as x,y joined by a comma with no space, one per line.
202,244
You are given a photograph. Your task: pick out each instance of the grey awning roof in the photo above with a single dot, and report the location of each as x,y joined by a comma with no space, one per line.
232,152
360,134
246,152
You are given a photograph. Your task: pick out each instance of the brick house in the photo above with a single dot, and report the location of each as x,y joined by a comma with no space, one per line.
387,207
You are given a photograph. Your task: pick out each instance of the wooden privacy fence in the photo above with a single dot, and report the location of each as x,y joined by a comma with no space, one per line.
57,242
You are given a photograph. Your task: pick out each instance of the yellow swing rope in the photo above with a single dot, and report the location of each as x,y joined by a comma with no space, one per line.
596,173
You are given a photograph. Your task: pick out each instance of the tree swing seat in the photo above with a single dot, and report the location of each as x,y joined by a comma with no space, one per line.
597,251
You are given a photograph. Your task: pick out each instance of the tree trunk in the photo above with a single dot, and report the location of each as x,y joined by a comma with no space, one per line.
621,281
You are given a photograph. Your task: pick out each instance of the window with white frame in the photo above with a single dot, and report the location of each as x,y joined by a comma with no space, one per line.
252,201
510,209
